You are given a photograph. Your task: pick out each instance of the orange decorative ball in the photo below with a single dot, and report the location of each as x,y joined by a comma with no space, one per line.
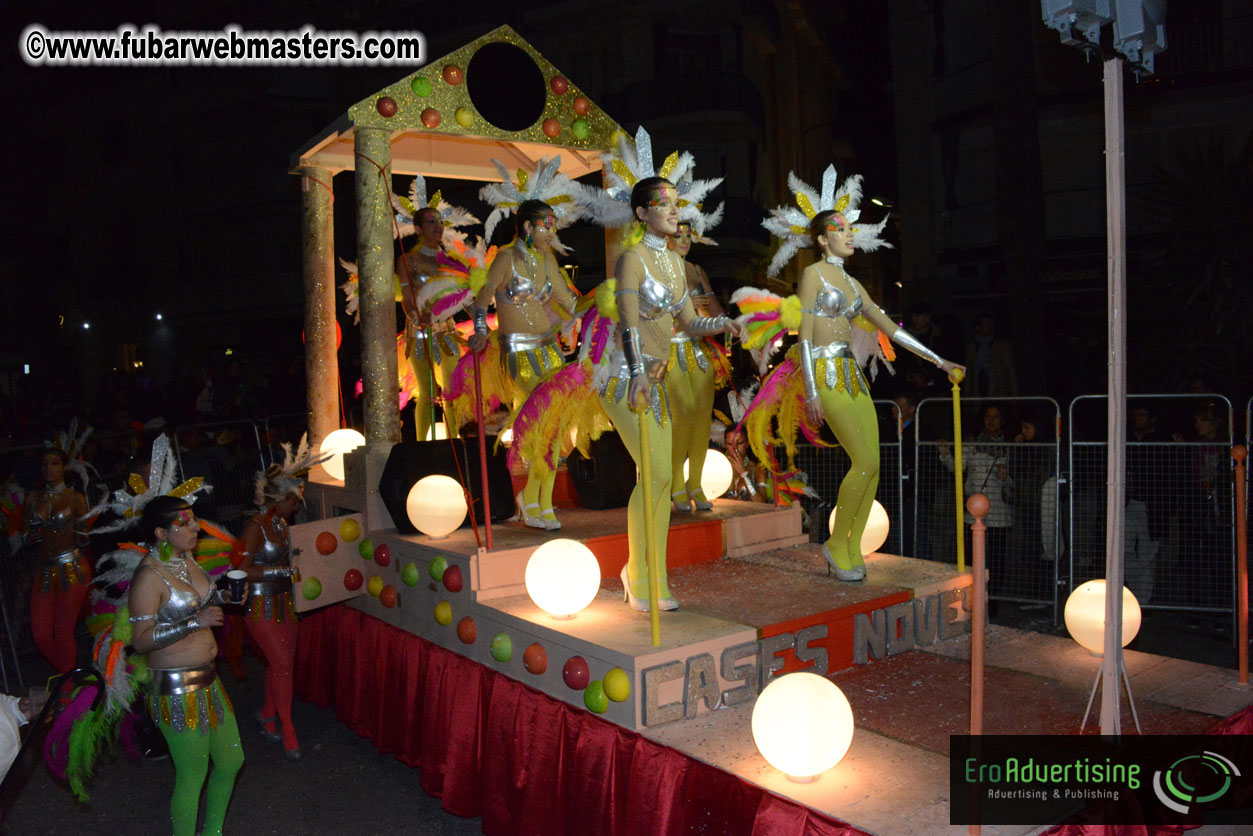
431,117
453,74
387,597
582,106
559,84
326,543
551,128
535,658
467,631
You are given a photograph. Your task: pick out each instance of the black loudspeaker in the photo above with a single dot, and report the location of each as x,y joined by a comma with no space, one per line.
607,477
411,460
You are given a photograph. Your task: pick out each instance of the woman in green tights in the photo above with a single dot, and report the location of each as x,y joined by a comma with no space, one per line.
173,611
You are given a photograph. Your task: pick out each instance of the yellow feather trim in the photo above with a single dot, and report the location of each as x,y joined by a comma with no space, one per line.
864,324
433,203
187,487
408,206
790,312
799,230
606,300
559,199
841,204
522,175
669,164
632,235
478,278
620,169
137,484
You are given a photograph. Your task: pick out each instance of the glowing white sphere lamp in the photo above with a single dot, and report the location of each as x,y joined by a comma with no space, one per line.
802,725
506,437
877,528
715,476
1085,616
337,444
440,430
562,577
436,505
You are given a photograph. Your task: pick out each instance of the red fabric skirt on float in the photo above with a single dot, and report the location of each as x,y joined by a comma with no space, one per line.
489,746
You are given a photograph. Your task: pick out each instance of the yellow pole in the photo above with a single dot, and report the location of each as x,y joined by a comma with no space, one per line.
956,376
650,553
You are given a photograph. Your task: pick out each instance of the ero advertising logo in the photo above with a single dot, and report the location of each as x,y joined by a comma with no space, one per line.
1195,780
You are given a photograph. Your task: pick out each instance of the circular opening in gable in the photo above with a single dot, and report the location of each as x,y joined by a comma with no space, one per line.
506,86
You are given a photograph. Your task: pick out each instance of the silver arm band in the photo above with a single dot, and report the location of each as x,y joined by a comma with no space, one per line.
908,340
164,635
707,325
479,315
807,371
275,573
632,352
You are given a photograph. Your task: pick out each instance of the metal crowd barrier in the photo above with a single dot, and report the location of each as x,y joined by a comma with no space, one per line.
1179,532
228,455
1022,480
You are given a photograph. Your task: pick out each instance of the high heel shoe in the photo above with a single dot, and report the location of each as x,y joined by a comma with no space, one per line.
857,573
641,604
529,519
699,501
549,517
684,507
268,736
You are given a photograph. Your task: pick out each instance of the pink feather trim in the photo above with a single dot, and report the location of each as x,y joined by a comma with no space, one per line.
450,302
568,380
57,743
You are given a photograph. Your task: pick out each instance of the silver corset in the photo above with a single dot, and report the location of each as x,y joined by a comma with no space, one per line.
170,682
273,554
831,302
183,602
521,289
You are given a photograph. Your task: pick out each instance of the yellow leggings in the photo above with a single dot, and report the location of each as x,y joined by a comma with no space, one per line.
422,371
852,419
627,423
691,405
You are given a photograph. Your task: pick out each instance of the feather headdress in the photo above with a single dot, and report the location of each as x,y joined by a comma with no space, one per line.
790,224
692,194
454,217
627,165
566,198
162,481
279,480
352,290
70,444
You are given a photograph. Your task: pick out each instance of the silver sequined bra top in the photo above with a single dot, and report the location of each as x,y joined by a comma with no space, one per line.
273,553
521,289
657,300
59,522
183,603
831,303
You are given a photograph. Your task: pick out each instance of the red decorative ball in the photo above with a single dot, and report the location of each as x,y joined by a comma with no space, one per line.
386,106
535,658
452,579
326,543
387,596
431,117
467,631
559,85
582,106
552,128
453,74
575,673
353,579
382,555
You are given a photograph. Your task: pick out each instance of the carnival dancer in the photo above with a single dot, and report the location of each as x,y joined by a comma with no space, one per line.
698,365
534,301
267,562
648,294
432,346
53,518
840,329
89,725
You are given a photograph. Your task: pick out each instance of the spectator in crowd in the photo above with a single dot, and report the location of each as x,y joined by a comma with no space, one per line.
929,334
990,361
985,466
1032,461
906,412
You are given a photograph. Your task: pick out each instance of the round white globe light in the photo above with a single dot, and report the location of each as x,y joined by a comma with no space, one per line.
1085,616
436,505
715,476
506,437
440,429
802,725
562,577
338,443
877,528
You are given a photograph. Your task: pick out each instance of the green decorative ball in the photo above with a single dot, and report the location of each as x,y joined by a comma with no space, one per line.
366,549
580,128
502,648
437,568
594,697
421,87
311,588
410,574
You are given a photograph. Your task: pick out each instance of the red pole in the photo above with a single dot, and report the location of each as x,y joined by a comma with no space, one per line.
977,505
478,417
1240,453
